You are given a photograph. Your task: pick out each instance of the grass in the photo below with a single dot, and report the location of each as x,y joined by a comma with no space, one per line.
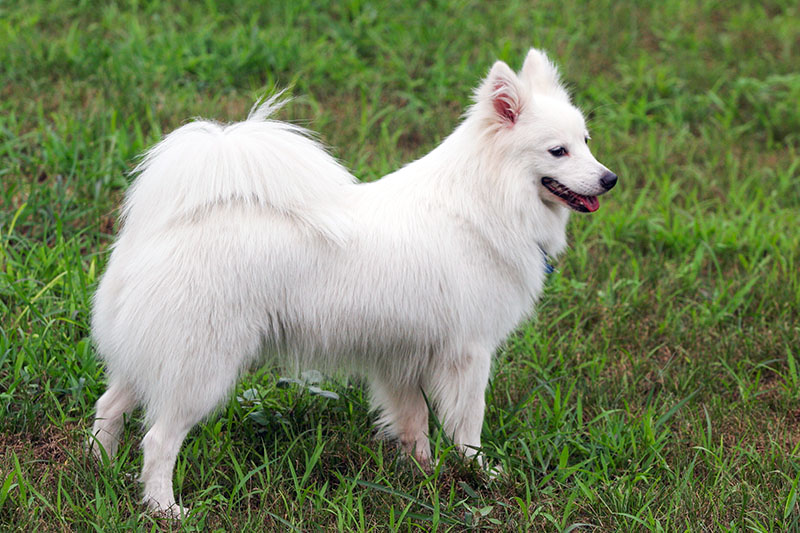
658,389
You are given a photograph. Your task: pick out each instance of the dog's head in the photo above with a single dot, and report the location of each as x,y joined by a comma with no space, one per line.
532,121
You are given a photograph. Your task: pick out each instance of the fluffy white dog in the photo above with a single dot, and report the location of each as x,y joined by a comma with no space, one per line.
246,241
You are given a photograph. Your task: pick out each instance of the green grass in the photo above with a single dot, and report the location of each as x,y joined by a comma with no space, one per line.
658,389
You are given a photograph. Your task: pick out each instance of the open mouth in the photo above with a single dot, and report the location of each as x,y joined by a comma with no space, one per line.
578,202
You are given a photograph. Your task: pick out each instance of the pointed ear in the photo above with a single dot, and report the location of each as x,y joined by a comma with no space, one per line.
542,75
502,90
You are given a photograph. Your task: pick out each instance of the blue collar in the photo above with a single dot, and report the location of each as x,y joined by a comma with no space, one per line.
548,267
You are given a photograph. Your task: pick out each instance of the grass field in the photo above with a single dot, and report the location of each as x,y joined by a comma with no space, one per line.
659,387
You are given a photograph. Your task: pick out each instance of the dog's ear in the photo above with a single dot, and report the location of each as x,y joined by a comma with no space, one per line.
501,90
542,75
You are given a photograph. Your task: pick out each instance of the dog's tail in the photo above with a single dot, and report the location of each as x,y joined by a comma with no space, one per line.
260,162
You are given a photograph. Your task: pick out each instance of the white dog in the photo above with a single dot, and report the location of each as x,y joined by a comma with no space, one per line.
248,240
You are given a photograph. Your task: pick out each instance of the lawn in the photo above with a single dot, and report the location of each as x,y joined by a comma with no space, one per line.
658,388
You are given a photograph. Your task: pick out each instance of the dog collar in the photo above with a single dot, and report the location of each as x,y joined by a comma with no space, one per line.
548,267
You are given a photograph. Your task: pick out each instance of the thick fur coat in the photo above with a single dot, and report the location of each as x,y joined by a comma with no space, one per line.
246,241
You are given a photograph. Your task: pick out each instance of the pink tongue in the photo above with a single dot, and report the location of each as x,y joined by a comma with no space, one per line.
591,203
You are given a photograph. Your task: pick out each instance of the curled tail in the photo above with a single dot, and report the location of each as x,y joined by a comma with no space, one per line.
259,161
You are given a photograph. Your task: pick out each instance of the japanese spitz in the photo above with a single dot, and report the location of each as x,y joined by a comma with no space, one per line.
248,241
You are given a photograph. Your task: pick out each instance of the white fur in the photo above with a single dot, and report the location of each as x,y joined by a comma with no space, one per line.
249,239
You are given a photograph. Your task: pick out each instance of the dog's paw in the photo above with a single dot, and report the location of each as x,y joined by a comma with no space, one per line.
494,472
425,462
170,511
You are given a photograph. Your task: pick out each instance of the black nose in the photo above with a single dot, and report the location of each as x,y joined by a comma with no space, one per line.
608,180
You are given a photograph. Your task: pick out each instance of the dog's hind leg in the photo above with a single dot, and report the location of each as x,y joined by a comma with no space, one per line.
161,445
189,395
458,388
111,408
163,441
404,416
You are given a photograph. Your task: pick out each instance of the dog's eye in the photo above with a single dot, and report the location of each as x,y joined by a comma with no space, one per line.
558,151
586,139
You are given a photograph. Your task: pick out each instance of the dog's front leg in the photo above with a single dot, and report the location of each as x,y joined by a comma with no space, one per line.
458,387
403,415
